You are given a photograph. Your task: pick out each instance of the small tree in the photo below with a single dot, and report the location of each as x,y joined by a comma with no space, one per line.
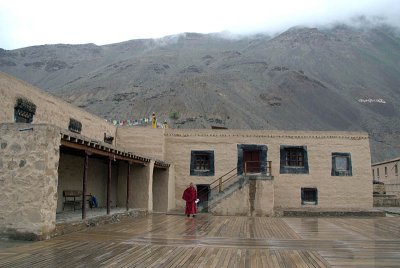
174,115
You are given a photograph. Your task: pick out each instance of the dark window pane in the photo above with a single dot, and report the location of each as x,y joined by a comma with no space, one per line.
341,163
24,111
294,157
202,162
309,195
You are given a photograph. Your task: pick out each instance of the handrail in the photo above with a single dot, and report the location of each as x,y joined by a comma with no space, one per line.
218,180
268,167
222,181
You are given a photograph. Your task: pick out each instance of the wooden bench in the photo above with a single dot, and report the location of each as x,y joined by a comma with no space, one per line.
72,198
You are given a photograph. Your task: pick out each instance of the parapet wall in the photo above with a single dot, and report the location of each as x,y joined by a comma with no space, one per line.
50,109
142,140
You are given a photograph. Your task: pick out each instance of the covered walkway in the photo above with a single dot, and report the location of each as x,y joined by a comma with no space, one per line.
160,240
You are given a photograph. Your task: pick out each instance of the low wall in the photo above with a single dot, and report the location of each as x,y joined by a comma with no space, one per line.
393,189
141,140
379,189
70,227
386,201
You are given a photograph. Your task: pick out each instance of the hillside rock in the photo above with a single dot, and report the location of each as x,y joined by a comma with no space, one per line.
340,78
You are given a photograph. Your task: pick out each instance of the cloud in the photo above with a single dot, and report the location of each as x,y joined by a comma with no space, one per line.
26,23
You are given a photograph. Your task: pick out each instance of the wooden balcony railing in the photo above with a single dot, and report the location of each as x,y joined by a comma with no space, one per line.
251,167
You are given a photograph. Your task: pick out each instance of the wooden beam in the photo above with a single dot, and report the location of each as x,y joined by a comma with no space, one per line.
109,187
161,166
84,184
101,152
128,186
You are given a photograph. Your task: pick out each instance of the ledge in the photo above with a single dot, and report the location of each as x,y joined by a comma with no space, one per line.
319,212
261,177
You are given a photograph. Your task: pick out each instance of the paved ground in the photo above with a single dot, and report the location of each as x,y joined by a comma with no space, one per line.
216,241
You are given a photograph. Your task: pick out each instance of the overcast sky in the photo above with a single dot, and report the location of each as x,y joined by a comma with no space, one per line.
37,22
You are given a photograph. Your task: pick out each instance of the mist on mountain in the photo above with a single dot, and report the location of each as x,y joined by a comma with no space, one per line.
335,77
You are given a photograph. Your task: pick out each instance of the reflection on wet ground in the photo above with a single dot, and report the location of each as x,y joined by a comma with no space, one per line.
216,241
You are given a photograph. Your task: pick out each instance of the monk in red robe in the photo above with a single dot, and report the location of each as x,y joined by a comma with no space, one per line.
190,196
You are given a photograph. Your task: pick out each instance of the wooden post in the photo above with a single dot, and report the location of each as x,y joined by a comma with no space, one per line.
269,168
128,186
109,187
245,168
84,184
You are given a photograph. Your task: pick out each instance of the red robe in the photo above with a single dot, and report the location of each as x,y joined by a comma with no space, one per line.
190,196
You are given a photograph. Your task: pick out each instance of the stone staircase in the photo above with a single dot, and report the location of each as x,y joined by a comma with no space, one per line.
216,196
236,183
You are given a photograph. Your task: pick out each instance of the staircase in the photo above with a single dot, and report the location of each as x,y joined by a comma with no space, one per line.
229,183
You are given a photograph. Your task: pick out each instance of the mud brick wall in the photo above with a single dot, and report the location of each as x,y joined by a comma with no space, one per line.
353,191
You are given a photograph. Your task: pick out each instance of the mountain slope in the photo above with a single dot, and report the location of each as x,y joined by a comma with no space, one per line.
303,79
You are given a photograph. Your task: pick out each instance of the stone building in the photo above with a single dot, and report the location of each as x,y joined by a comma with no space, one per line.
387,172
50,149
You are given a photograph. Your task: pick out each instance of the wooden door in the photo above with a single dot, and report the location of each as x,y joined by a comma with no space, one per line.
251,161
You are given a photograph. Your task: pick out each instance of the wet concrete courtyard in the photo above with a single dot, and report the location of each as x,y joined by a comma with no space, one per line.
160,240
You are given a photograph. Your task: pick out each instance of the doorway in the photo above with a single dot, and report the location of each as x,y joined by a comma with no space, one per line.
251,161
203,191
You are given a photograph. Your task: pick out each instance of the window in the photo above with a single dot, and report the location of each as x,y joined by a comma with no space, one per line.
108,138
202,163
373,173
386,171
341,164
24,111
294,159
377,172
396,171
309,196
75,126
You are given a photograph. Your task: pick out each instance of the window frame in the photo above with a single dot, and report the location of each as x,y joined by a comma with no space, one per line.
193,160
24,107
334,171
306,202
75,126
290,169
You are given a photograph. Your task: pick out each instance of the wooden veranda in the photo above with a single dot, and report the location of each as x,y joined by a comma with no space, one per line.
160,240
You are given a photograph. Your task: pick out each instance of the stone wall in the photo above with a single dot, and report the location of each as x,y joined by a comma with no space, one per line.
29,158
333,191
50,109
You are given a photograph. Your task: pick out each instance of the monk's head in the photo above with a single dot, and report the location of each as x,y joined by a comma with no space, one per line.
191,184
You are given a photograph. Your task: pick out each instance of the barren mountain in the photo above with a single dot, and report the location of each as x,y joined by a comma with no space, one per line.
340,78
